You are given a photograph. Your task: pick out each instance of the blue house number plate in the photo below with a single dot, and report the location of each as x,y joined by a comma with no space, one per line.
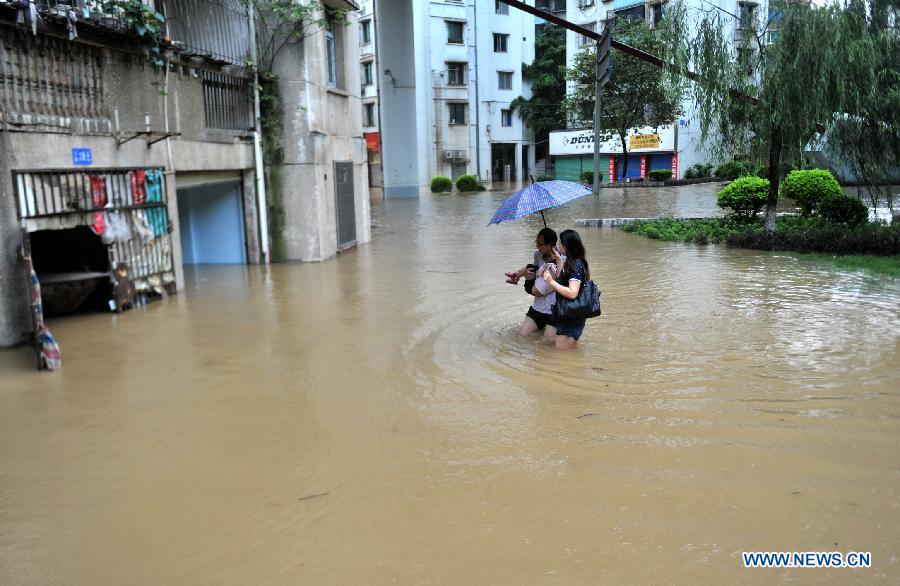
82,157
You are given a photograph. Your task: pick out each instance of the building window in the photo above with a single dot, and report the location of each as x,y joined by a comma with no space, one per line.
583,40
367,73
632,13
457,113
658,11
369,115
331,49
455,31
505,117
501,7
456,73
542,4
504,79
501,43
747,15
559,5
366,29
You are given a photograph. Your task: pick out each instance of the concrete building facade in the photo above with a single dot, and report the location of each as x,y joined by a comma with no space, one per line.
121,147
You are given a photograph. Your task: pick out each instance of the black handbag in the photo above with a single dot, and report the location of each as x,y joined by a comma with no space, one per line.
584,306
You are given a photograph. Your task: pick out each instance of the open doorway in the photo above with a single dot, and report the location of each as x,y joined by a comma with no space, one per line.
503,156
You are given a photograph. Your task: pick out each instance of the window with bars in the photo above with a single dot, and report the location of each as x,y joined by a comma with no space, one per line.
48,76
227,101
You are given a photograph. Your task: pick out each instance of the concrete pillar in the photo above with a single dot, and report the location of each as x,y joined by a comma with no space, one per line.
397,89
14,310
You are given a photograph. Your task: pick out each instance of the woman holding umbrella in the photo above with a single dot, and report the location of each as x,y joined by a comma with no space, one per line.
573,271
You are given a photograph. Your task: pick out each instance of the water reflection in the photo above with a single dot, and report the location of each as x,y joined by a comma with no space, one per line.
376,418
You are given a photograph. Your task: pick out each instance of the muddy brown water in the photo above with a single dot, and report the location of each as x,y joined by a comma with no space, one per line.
375,418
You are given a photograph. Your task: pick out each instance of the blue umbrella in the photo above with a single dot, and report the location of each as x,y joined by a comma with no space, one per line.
538,197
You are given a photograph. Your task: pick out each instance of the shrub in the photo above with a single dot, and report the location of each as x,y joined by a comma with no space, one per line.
441,184
588,176
841,209
783,171
816,235
698,171
744,196
468,183
808,188
732,170
544,178
661,174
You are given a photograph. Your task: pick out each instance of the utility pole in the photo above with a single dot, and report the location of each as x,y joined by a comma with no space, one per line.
604,70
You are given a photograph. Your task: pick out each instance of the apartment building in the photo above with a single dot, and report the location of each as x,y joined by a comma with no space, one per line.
467,67
129,149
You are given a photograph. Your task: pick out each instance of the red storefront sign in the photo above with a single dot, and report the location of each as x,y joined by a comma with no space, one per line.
674,165
612,169
643,166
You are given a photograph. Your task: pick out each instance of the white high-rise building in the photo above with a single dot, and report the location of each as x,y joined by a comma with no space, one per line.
468,71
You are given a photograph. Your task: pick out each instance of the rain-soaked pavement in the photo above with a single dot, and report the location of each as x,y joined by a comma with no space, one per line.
375,418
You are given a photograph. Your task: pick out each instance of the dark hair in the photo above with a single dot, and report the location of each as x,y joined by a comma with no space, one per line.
548,236
571,241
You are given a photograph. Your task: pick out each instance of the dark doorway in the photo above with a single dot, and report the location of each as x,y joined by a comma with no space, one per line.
502,155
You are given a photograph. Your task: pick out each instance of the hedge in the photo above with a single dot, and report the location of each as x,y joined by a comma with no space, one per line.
468,183
441,184
661,174
732,170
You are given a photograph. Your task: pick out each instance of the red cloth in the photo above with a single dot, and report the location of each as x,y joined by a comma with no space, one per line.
138,186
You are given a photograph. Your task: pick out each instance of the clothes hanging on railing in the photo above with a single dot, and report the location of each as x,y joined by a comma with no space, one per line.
27,14
98,194
71,24
138,186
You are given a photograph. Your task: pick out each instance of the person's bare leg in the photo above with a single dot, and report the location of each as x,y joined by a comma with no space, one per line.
565,343
528,327
549,331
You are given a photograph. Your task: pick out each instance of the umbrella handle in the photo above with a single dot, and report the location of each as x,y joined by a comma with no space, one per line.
543,218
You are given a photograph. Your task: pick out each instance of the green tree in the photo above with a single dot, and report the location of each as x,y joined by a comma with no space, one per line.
638,93
544,112
765,91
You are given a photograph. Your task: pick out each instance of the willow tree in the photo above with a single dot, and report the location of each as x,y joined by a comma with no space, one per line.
765,93
864,133
638,93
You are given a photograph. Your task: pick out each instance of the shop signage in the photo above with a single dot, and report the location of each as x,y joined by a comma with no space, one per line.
82,157
644,141
581,142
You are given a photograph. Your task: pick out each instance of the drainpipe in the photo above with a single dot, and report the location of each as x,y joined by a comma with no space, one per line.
477,102
257,148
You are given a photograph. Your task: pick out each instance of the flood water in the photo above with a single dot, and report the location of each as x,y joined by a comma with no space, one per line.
376,419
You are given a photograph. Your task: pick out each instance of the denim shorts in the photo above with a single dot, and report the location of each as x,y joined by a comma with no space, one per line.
572,329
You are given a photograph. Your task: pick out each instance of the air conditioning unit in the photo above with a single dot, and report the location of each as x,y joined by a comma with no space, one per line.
455,155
